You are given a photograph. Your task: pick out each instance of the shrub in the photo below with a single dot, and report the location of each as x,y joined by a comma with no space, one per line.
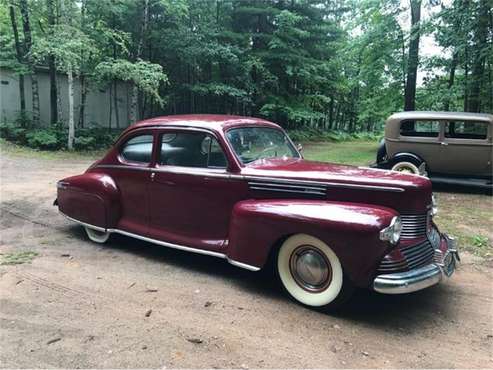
13,132
43,139
56,137
313,134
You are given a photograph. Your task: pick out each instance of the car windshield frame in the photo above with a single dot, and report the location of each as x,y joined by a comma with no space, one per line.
287,141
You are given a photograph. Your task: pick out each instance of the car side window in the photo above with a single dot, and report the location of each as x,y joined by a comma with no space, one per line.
420,128
191,149
138,149
466,130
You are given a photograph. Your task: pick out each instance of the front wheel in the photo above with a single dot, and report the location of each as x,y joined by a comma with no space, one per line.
311,272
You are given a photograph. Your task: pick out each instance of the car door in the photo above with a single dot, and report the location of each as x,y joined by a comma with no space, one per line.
420,137
132,176
466,149
192,193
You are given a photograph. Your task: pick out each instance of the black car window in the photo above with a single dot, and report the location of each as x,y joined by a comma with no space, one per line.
191,149
138,149
420,128
466,130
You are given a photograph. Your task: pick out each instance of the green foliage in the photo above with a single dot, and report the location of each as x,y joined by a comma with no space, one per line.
55,138
42,139
480,241
336,67
147,76
310,134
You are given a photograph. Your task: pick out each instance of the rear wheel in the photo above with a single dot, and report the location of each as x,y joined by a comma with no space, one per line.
406,167
97,236
311,272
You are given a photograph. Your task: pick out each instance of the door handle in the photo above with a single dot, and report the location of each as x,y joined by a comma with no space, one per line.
153,175
444,143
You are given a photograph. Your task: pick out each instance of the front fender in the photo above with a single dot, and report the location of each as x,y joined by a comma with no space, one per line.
350,229
92,198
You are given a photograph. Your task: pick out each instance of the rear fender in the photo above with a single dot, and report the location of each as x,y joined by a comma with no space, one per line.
92,198
351,230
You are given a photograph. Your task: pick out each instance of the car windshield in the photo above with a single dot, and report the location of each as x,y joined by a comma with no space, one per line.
254,143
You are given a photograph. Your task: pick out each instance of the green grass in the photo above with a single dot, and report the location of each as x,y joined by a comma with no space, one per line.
468,217
356,152
17,258
22,151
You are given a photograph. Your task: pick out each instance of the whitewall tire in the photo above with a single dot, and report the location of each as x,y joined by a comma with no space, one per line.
311,272
406,167
97,236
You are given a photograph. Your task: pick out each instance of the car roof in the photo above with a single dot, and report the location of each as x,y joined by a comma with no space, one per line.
409,115
214,122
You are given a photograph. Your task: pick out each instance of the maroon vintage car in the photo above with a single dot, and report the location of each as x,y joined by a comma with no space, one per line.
237,188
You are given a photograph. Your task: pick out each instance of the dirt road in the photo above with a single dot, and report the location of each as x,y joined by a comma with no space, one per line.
133,304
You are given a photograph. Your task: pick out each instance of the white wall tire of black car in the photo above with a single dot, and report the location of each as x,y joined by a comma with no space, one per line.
97,236
311,272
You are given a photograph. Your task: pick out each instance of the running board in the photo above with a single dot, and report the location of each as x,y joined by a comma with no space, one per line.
477,183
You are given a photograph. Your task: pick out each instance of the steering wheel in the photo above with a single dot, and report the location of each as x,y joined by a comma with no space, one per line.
263,153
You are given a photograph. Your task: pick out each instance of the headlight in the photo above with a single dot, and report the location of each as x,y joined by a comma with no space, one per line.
392,233
434,205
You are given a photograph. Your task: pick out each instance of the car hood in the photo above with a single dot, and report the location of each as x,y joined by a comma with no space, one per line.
407,193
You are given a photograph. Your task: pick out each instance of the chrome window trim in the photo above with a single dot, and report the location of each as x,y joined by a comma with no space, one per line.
166,244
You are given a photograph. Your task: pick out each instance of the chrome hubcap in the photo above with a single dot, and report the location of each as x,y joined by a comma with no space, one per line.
310,268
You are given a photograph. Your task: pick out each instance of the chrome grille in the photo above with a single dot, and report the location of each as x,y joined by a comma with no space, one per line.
413,226
415,256
418,255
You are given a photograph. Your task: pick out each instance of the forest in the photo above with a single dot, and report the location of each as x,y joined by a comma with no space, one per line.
323,65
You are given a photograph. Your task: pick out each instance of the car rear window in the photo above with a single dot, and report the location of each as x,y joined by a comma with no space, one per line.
138,149
420,128
466,130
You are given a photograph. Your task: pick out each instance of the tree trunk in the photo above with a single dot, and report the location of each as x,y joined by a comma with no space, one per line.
26,26
111,110
52,68
19,57
451,79
412,67
59,98
477,71
115,103
331,113
83,98
134,99
466,78
71,123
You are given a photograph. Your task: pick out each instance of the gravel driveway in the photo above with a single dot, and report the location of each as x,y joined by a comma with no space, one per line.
132,304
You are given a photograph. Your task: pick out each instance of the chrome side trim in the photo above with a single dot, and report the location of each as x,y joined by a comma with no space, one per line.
214,173
97,228
175,170
166,244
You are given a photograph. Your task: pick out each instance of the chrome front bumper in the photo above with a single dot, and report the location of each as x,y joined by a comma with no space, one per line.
420,278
